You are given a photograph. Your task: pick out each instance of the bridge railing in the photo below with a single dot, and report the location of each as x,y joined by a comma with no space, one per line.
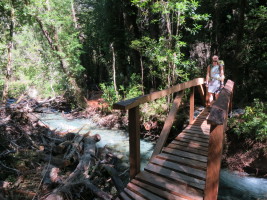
134,117
218,120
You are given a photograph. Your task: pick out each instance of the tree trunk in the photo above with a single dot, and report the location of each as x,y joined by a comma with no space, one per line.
215,29
142,73
74,19
55,46
9,55
114,69
237,58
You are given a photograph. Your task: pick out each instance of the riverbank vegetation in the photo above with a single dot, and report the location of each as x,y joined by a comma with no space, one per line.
247,140
94,53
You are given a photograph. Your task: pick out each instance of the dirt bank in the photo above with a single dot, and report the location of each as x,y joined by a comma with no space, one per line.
245,155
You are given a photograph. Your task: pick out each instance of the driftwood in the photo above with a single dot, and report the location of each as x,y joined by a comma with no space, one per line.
66,162
74,147
51,175
80,175
115,177
56,161
86,184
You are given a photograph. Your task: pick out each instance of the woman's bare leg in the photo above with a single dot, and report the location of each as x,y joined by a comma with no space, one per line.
210,98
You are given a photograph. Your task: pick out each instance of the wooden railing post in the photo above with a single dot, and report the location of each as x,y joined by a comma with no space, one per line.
192,105
214,162
134,140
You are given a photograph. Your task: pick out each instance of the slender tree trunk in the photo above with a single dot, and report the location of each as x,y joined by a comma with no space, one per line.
169,46
9,54
169,81
74,19
114,69
237,59
55,46
142,73
215,28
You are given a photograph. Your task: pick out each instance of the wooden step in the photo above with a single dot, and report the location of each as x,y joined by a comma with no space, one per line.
183,161
204,134
124,196
190,144
204,117
143,192
173,187
185,154
204,144
133,195
176,176
204,127
200,123
179,168
193,137
188,149
198,128
161,193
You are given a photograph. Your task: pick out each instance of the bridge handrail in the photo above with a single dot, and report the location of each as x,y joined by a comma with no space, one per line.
218,120
134,117
131,103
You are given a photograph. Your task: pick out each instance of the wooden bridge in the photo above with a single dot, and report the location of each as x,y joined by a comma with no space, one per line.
188,167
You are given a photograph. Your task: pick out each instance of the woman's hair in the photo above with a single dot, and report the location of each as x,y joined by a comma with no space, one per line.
218,61
215,56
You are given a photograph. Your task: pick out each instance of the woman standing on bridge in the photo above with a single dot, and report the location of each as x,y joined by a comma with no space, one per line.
214,79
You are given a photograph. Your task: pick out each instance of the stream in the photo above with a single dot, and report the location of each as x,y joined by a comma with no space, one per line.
233,186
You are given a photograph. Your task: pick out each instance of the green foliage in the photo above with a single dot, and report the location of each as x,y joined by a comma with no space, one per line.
16,88
131,91
134,89
155,109
165,52
35,61
109,94
253,124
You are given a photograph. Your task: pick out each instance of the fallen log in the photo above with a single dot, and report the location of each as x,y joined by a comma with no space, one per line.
75,145
86,184
80,174
58,162
114,177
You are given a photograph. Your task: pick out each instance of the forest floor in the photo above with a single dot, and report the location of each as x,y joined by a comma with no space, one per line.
39,163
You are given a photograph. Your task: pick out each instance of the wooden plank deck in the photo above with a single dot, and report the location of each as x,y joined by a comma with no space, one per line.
179,171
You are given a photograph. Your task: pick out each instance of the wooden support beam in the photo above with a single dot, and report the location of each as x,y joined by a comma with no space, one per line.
167,125
134,140
130,103
214,162
192,105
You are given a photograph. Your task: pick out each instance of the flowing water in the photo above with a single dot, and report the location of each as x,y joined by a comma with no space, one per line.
117,140
232,185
